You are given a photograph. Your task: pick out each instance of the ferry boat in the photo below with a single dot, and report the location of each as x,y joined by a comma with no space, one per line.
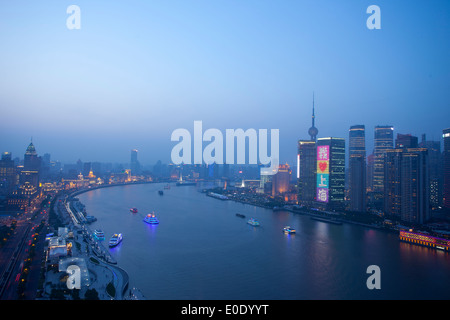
426,240
134,210
90,219
151,219
253,222
115,240
288,230
99,235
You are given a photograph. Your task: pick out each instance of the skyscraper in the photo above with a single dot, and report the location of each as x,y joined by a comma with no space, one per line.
357,168
31,166
434,170
134,163
384,140
407,184
306,172
331,173
7,174
446,136
406,141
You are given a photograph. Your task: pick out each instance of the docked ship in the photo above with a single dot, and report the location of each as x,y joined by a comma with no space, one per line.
134,210
253,222
151,219
99,234
115,240
426,240
288,230
329,220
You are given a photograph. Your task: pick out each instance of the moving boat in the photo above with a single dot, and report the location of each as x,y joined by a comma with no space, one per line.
288,230
253,222
151,219
160,192
99,235
134,210
115,240
167,187
240,215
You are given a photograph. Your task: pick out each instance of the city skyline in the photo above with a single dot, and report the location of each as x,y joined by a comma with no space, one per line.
132,74
240,149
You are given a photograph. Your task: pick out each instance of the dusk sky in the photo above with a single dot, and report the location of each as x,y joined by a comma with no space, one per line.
138,70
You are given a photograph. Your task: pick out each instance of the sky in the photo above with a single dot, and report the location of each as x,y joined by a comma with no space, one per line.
138,70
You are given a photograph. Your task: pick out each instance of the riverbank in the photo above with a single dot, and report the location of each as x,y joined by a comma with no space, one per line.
336,218
109,280
78,192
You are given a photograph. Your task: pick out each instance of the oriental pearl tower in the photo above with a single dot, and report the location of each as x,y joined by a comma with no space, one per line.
313,131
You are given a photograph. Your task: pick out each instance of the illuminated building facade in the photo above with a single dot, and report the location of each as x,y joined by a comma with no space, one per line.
30,172
8,175
306,172
384,140
330,179
446,136
281,180
434,171
357,168
407,185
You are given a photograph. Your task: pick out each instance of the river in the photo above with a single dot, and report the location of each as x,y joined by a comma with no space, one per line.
202,250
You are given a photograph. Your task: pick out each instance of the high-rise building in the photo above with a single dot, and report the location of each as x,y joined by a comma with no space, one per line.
306,172
406,141
330,191
384,140
357,168
446,136
407,184
434,170
134,163
8,175
369,172
31,166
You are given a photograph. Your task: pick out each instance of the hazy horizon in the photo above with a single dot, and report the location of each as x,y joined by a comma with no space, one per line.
138,70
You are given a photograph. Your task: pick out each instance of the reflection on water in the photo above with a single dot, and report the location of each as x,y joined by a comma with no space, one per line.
202,250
